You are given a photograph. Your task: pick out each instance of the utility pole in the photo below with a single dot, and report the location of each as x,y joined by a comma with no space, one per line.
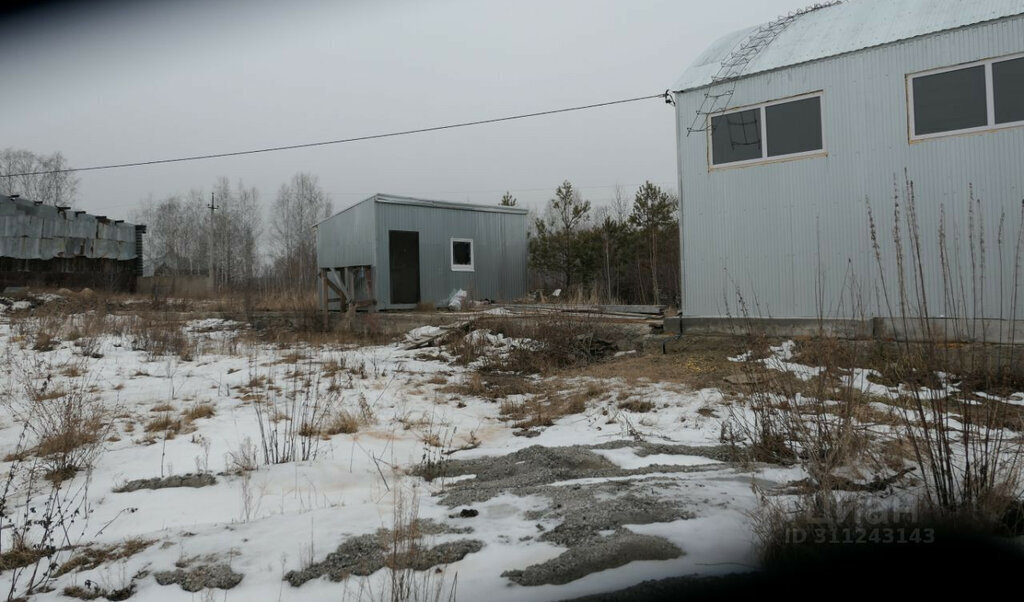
212,208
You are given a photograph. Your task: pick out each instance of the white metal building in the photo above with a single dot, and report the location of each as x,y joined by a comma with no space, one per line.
788,132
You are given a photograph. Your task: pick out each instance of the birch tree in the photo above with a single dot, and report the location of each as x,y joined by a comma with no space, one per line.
57,189
301,204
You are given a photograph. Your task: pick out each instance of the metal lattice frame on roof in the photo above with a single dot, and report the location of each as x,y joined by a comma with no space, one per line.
723,84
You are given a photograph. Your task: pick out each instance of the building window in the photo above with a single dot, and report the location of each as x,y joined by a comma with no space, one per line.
462,254
736,137
777,130
1008,91
968,98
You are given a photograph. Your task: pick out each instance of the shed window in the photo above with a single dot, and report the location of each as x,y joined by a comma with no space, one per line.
969,98
462,254
789,128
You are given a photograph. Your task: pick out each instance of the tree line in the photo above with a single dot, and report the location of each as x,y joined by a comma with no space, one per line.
627,252
49,188
247,253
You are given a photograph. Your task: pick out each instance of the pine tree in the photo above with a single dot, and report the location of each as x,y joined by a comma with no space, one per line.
652,210
508,200
561,245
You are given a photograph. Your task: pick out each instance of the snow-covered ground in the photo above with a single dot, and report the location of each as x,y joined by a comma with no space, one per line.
287,516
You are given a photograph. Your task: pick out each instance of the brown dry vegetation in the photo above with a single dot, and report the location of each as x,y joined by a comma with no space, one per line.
698,362
199,411
21,555
169,425
341,423
494,386
90,557
542,410
559,342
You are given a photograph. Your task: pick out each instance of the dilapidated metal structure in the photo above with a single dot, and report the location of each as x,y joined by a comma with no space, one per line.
393,252
57,246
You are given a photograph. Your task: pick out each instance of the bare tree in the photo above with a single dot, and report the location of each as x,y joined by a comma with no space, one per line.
237,228
300,205
178,234
41,177
620,208
167,234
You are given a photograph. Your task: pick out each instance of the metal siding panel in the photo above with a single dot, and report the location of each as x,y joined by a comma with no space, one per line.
30,231
499,248
771,232
347,238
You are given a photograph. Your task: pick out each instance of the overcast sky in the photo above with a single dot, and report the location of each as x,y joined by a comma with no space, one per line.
120,82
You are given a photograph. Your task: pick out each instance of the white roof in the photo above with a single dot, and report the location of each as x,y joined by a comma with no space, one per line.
847,27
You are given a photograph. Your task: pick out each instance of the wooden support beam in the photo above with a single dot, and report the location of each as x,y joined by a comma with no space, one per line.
350,285
326,300
369,289
338,288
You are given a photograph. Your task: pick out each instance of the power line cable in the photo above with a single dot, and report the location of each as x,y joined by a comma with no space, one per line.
664,95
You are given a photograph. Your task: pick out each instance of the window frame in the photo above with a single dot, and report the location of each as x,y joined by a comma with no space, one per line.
990,100
471,267
765,159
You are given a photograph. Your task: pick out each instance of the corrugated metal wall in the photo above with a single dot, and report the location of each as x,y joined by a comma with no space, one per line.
499,248
359,236
792,238
30,231
346,238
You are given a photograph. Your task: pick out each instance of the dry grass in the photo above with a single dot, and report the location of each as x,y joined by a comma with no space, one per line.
20,555
96,592
44,341
66,420
556,342
494,386
73,370
169,426
432,439
636,405
543,410
199,411
293,357
91,557
698,362
342,423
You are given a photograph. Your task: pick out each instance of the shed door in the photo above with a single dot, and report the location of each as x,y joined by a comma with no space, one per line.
404,259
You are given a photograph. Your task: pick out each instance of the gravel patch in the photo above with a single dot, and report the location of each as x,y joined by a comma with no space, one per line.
599,554
537,465
202,577
591,515
185,480
366,554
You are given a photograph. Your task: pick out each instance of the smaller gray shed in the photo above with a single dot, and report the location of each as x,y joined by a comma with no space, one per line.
393,252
